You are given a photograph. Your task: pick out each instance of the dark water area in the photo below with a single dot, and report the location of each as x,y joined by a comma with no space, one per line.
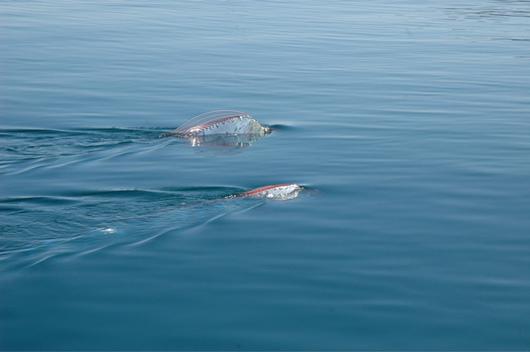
408,122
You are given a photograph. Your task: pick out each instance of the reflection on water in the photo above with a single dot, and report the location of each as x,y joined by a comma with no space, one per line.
230,141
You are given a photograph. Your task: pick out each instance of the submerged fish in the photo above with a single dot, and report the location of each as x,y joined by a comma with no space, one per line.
221,122
284,191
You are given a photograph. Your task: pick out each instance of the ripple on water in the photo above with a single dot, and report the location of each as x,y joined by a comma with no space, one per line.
24,150
36,229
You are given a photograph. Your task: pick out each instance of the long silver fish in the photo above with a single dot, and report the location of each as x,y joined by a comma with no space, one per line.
221,122
283,191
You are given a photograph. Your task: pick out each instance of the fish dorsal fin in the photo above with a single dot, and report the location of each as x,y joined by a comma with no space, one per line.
210,118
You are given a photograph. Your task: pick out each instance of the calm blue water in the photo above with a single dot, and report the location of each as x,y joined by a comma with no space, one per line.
409,121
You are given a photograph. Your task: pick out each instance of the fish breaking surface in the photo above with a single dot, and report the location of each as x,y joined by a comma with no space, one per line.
221,122
275,192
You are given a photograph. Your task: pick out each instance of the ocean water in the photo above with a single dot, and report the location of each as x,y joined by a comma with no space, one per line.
408,122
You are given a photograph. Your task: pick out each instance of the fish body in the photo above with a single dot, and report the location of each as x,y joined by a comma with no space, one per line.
222,122
284,191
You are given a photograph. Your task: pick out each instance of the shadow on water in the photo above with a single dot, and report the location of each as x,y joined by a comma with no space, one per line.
35,229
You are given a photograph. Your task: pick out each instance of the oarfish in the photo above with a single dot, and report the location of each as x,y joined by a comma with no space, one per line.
221,122
284,191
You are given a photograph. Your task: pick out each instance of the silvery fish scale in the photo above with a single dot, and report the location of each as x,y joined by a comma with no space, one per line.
223,122
275,192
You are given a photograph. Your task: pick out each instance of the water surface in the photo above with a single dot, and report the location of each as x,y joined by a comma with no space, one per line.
408,120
